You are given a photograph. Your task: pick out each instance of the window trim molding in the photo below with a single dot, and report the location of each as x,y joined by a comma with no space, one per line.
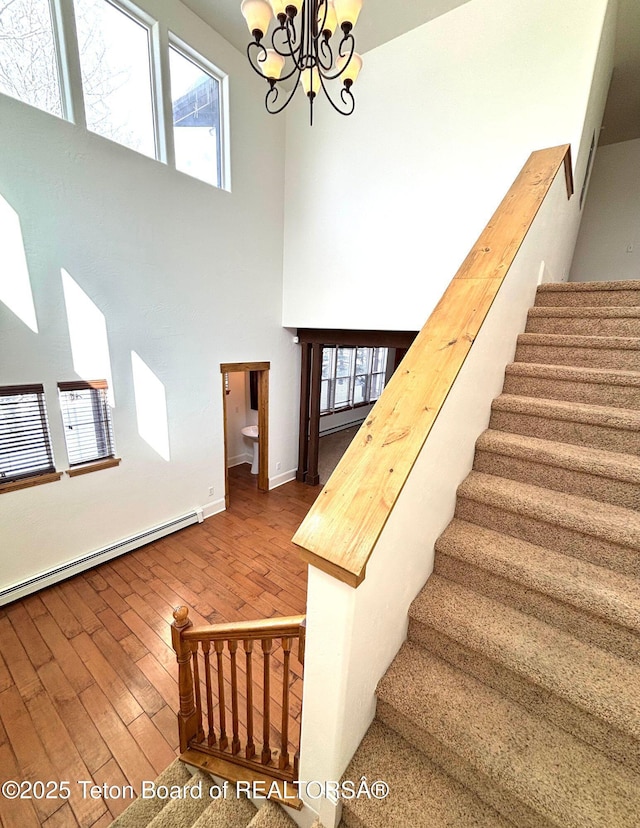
29,482
93,465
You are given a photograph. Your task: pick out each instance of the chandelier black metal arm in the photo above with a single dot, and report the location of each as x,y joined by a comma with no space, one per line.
303,41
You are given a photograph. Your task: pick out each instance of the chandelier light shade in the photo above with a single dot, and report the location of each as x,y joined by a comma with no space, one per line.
303,49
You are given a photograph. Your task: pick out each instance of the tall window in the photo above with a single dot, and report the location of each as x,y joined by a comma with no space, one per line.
351,377
195,97
124,87
86,417
25,445
28,63
116,74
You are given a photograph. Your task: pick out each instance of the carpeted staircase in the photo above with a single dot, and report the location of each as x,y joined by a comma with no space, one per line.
516,699
184,801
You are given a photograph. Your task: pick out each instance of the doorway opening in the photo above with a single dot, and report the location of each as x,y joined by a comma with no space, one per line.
259,371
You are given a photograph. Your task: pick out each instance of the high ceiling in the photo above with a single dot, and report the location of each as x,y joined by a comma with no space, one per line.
382,20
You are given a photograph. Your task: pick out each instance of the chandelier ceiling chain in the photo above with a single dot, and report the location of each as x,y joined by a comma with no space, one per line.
302,39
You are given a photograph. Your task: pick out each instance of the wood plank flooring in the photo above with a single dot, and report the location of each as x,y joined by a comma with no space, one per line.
88,688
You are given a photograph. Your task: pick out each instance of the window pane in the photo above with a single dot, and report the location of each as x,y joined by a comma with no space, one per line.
116,75
324,396
28,66
195,95
377,385
362,360
344,362
343,385
360,389
327,362
379,360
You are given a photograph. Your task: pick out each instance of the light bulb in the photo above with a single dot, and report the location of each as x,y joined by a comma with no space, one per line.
272,64
347,12
258,15
331,21
310,80
349,71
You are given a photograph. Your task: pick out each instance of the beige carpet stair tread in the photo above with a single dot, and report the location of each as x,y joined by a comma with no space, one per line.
228,813
587,287
271,815
584,311
581,514
590,460
574,373
604,415
142,811
594,589
420,794
601,684
182,812
622,343
554,773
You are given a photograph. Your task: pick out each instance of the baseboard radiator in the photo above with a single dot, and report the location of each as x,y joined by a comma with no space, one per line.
66,570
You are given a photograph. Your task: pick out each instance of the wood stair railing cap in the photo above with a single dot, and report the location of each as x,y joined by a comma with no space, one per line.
340,531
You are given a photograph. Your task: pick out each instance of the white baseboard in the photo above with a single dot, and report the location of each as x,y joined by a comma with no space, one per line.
239,459
213,508
91,559
281,479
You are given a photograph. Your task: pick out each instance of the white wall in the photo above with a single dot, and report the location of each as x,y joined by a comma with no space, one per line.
166,259
238,447
390,200
611,221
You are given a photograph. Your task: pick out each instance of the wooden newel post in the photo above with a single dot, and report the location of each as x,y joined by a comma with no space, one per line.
187,717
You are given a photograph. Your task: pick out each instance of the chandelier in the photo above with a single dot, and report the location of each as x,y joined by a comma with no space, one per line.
302,37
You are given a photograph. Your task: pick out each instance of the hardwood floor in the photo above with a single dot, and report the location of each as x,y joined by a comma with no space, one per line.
88,687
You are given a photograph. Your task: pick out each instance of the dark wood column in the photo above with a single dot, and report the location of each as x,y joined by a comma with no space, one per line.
305,391
313,478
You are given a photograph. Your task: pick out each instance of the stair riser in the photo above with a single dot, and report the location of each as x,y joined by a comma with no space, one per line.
619,396
558,478
584,325
622,359
567,431
580,622
457,766
570,542
539,700
589,298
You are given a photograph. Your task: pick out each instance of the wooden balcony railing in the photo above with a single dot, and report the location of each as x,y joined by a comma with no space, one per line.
342,527
239,719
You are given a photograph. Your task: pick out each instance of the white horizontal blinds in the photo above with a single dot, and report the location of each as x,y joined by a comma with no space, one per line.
25,446
86,417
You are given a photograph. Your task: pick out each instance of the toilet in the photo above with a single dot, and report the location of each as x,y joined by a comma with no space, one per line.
252,433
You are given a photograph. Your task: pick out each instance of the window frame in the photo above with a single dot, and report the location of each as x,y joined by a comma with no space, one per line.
352,376
31,476
190,54
101,421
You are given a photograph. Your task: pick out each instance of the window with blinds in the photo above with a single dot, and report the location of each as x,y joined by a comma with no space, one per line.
86,417
25,444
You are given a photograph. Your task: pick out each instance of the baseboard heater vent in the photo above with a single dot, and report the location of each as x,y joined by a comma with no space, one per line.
66,570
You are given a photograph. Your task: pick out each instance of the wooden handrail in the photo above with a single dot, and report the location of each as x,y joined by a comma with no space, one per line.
217,685
277,627
342,527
